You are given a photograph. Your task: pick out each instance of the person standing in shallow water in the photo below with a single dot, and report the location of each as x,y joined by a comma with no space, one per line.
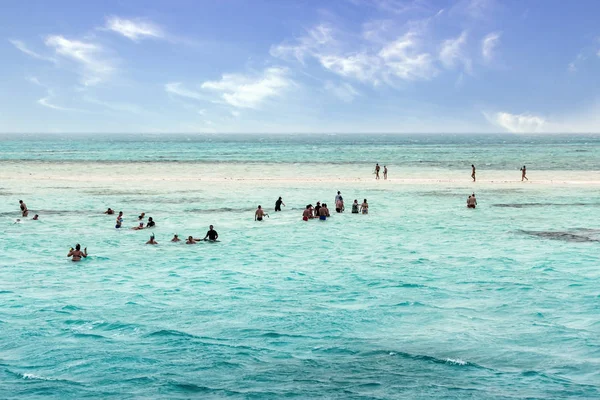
364,207
76,253
385,172
471,201
259,214
212,235
355,207
377,168
278,204
524,173
24,210
473,172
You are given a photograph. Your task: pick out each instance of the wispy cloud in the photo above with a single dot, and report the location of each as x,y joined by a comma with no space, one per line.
134,29
243,91
177,89
382,60
115,106
23,48
517,123
95,67
489,44
309,45
343,91
404,60
452,53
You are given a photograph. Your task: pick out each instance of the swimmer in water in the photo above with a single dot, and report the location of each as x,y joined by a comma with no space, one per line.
524,173
150,223
339,205
76,253
110,211
259,214
175,238
471,201
190,240
377,168
141,216
278,204
323,212
307,213
152,241
316,209
364,207
36,217
24,210
473,172
212,235
355,207
119,221
139,227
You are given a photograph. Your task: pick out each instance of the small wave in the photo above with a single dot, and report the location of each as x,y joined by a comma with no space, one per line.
561,235
89,336
170,332
456,361
411,303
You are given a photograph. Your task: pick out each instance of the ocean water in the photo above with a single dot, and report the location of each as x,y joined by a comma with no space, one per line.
420,298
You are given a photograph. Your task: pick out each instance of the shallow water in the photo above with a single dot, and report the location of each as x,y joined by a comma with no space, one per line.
420,298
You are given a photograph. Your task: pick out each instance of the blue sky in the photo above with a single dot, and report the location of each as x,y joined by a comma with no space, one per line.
354,66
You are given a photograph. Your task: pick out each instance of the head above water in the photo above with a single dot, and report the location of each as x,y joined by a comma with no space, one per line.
259,207
365,200
77,246
149,218
279,197
339,192
211,227
20,201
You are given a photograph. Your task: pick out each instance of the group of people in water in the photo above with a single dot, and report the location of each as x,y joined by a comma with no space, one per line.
319,211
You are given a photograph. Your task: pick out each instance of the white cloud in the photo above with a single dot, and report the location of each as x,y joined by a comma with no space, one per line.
134,29
46,102
22,47
343,91
88,55
489,44
359,66
235,114
316,38
452,53
403,60
517,123
379,59
243,91
176,88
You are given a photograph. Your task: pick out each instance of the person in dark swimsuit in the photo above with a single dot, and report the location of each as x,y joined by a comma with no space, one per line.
76,253
316,209
259,214
110,211
278,204
150,223
212,235
24,210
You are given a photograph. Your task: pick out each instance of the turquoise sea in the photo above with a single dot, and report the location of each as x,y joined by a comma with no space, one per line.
421,298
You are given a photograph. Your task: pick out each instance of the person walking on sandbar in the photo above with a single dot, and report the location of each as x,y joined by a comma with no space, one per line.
377,168
524,173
